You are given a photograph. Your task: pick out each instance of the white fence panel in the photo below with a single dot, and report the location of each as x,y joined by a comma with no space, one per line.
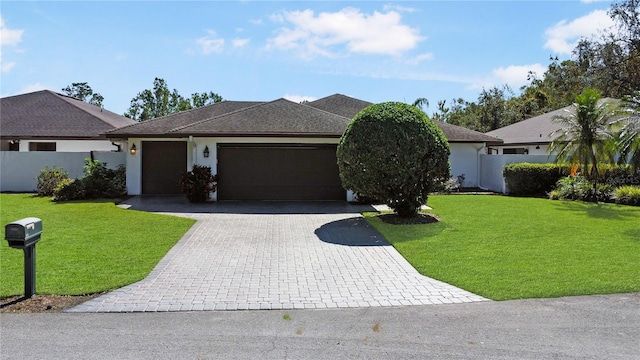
19,170
491,167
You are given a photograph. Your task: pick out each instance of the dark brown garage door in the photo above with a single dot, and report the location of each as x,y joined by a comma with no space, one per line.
163,162
268,172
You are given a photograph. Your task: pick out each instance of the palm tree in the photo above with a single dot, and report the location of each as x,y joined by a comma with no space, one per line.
629,136
585,137
420,102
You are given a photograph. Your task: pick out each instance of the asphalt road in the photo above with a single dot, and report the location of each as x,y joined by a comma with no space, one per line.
592,327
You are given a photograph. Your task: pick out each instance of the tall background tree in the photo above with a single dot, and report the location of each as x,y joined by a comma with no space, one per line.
82,91
610,64
160,101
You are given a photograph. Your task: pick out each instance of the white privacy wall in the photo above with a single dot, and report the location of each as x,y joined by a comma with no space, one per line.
19,170
492,166
464,159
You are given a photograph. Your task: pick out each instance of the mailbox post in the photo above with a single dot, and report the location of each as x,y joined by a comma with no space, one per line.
24,234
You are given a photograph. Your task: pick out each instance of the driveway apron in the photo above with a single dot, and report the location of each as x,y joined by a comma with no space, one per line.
274,255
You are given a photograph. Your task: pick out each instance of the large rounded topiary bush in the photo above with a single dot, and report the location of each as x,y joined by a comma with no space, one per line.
392,152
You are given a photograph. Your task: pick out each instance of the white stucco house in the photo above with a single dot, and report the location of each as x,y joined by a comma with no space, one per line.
278,150
44,128
49,121
534,135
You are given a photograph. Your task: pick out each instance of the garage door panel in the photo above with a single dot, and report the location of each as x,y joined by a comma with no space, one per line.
278,173
163,163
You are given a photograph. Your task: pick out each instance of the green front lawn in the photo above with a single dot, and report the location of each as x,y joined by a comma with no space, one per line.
511,248
86,247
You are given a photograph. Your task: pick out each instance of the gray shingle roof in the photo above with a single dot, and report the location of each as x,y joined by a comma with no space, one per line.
166,124
460,134
276,118
326,117
47,114
340,104
349,107
536,130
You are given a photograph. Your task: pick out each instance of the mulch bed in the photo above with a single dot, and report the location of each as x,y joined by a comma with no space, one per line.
421,218
41,303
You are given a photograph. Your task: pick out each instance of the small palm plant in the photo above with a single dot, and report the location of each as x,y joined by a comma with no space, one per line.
586,137
629,135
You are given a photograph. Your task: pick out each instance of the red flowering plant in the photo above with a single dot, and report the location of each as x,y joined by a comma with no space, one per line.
199,183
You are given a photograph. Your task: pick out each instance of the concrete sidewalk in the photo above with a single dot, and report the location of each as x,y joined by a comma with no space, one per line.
275,255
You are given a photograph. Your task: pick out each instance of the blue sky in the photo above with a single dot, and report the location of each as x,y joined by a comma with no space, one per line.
264,50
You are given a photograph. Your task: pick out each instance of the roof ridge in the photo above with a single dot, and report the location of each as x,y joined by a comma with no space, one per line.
69,99
179,128
325,111
194,109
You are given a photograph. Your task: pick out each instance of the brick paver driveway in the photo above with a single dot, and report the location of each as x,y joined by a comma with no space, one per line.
275,255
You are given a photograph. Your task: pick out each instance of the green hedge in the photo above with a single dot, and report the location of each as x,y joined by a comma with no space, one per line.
628,195
526,179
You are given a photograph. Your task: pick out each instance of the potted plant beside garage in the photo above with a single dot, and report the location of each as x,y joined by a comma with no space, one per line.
199,183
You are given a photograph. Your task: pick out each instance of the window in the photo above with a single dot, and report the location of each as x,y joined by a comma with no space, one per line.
511,151
42,146
14,145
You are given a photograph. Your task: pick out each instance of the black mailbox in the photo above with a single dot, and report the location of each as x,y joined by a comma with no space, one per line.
23,233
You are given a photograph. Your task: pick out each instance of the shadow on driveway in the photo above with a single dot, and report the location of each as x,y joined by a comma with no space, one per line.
350,232
180,204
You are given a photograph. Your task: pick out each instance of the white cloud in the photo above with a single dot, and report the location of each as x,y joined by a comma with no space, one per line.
399,8
420,58
563,37
513,75
7,66
239,42
10,37
210,43
299,98
516,75
319,35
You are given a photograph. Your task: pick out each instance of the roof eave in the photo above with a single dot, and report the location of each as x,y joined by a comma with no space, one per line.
226,134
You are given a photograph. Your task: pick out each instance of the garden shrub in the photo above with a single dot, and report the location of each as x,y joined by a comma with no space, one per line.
102,182
69,189
392,152
618,175
198,183
524,179
627,195
98,182
579,187
49,179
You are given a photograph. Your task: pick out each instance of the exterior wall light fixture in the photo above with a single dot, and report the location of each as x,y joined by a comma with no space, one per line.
206,152
133,149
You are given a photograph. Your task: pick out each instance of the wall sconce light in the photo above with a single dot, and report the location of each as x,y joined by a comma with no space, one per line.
537,147
133,149
206,152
